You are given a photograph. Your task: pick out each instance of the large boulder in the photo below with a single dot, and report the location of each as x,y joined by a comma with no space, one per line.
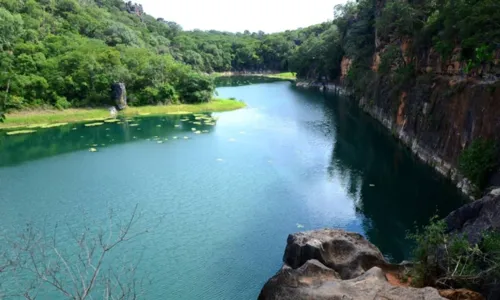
347,253
334,264
301,284
119,95
475,218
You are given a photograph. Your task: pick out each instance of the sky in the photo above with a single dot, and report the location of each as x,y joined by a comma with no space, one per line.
239,15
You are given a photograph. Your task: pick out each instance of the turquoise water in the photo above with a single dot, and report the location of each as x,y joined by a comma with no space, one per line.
292,160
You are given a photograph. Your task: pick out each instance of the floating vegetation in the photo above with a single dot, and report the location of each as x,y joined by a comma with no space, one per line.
111,120
197,132
184,119
210,123
177,125
174,137
205,131
133,124
186,137
93,150
166,139
53,125
197,123
193,129
74,128
198,118
94,124
21,132
94,145
159,142
300,225
159,125
107,129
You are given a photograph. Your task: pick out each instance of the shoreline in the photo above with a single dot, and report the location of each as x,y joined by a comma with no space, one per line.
285,76
23,119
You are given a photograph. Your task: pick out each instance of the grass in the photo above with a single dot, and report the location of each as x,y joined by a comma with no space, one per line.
46,117
180,109
285,75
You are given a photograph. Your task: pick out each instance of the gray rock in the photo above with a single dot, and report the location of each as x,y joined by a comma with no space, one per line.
336,265
294,284
119,95
347,253
475,218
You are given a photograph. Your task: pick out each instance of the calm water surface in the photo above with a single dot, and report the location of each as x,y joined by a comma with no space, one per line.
231,196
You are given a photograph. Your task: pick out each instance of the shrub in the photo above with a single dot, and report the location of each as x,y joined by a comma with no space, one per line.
478,160
196,88
450,260
61,103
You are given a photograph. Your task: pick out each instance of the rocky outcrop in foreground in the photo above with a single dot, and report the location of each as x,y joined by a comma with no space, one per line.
334,264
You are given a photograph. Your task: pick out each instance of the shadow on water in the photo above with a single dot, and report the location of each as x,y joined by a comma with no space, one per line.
16,149
392,191
225,81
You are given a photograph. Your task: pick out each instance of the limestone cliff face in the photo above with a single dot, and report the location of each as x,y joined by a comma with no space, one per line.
442,111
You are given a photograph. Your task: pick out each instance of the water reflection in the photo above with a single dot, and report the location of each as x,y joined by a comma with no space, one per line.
16,149
244,80
391,190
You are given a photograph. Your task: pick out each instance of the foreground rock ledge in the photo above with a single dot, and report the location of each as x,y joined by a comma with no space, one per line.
334,264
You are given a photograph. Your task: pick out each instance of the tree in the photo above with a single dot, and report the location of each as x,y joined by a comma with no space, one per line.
36,261
11,27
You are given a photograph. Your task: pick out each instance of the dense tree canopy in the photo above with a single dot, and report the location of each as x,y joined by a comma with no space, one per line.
65,53
359,28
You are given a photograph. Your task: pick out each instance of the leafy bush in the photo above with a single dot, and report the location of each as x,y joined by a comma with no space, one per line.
478,160
61,103
450,260
196,88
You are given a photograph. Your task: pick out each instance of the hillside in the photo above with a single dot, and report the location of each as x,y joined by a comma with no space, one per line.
67,53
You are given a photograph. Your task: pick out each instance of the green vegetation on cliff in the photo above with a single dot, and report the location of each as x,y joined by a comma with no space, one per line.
447,260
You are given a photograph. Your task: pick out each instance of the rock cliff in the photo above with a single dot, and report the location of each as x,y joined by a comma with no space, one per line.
335,264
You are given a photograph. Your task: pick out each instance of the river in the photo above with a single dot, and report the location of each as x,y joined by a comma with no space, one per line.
292,160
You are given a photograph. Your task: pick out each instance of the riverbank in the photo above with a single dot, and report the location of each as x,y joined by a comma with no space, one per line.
36,117
285,76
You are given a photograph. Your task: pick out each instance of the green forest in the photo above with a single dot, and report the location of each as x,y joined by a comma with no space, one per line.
67,53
